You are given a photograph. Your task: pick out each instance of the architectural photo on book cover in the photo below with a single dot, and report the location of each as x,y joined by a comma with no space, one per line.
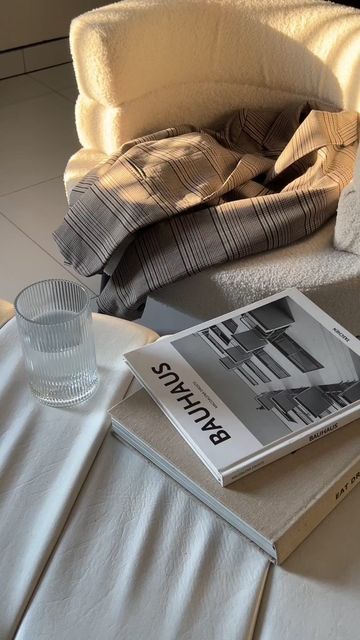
276,367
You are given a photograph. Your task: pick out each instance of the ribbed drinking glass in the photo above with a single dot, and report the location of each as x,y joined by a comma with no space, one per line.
55,327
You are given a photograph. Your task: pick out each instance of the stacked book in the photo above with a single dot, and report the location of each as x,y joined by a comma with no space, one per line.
224,399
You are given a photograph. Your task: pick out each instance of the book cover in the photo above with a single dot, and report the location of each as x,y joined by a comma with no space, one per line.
278,506
253,385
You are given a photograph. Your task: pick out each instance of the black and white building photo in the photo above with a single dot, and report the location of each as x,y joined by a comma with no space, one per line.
295,370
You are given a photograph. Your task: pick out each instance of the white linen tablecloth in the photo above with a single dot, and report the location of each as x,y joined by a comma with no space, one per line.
45,455
315,594
98,544
140,559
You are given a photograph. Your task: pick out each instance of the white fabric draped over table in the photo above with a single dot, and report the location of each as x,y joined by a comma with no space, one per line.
316,592
97,543
136,557
141,559
45,455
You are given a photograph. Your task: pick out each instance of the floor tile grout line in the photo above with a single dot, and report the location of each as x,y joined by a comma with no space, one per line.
45,84
44,250
64,97
11,104
29,186
57,91
23,59
26,73
29,73
48,86
49,91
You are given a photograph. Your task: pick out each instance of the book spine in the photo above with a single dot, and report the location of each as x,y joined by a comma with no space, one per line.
319,507
238,471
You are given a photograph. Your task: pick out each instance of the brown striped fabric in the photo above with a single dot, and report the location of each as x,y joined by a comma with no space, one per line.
181,200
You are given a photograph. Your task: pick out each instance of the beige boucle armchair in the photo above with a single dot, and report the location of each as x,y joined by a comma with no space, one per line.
143,65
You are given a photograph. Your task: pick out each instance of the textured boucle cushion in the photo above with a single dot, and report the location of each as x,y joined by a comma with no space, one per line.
144,65
330,278
347,228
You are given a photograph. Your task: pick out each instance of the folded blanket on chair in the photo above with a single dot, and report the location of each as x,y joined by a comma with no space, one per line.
181,200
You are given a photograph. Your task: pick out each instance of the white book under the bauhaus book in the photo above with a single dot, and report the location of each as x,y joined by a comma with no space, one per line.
253,385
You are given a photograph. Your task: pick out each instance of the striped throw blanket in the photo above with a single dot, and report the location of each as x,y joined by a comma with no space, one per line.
181,200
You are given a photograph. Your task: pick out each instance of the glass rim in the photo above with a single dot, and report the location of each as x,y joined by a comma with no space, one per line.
76,314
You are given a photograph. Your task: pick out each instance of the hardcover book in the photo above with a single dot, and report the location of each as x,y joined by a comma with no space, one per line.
278,506
253,385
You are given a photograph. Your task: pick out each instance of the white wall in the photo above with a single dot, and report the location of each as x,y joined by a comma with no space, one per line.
25,22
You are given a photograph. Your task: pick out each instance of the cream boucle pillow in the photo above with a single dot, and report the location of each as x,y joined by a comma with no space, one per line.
347,227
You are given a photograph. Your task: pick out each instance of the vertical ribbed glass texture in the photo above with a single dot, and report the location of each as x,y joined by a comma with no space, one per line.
54,323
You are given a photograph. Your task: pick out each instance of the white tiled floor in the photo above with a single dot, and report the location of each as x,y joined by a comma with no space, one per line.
37,136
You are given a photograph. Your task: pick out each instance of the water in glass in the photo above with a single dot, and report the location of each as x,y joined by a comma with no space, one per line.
54,321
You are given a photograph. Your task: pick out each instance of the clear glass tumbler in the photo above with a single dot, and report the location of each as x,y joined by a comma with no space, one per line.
54,323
